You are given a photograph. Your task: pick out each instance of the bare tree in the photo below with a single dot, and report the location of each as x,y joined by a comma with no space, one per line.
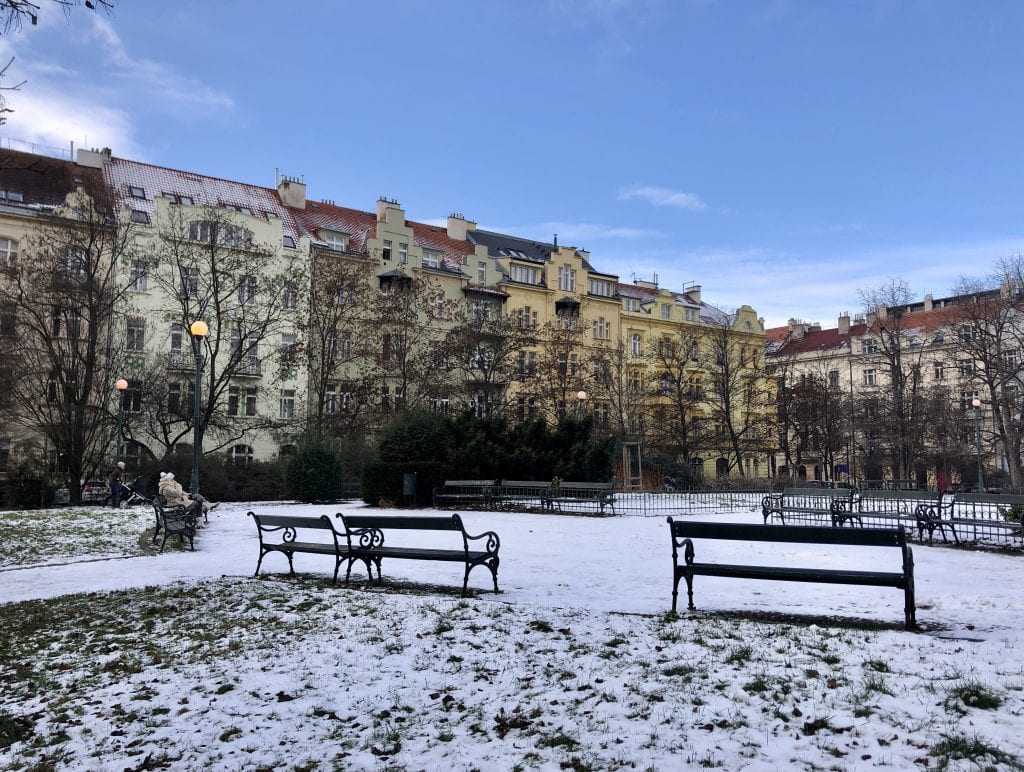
898,358
210,269
14,13
59,298
679,391
561,371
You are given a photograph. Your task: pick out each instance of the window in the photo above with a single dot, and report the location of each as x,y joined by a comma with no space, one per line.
525,317
131,398
8,320
566,279
481,310
139,277
189,282
8,252
403,252
833,379
601,287
869,377
241,454
967,399
289,296
690,314
527,363
140,217
666,311
135,337
250,401
52,392
524,275
241,208
210,232
386,251
178,198
631,304
136,192
346,345
234,400
287,343
635,344
288,241
442,405
939,371
966,333
246,289
177,337
602,329
869,346
336,241
12,195
1011,359
481,272
966,368
73,263
431,259
287,403
330,399
439,306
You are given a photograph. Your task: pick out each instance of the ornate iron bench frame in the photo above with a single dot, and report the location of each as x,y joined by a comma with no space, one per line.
683,535
279,533
173,520
463,492
601,494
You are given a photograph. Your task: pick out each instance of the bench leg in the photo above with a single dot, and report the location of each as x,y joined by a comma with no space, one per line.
675,591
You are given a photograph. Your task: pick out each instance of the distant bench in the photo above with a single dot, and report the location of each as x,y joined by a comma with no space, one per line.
361,538
463,492
971,513
684,533
600,494
509,493
173,521
833,504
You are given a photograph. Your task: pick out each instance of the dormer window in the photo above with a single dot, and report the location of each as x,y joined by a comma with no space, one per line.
238,208
178,198
336,241
631,304
524,275
289,241
136,192
431,259
140,216
601,288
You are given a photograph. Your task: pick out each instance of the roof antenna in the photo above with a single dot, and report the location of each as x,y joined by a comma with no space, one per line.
556,242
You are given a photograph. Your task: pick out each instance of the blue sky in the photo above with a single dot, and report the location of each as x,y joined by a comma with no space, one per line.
780,154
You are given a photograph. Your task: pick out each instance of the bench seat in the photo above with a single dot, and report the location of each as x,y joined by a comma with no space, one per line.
821,575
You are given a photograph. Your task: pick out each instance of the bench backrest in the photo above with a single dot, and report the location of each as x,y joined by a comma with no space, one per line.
404,522
468,483
291,521
792,495
794,534
1007,499
585,486
891,501
533,484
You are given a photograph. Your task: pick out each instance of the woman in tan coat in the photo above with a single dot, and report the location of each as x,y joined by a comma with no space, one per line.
175,496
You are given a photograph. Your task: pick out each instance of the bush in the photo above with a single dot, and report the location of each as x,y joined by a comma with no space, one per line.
221,479
316,472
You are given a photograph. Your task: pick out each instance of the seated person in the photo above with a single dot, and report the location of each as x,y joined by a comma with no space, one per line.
175,496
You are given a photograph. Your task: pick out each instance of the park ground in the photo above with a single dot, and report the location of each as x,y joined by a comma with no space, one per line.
115,657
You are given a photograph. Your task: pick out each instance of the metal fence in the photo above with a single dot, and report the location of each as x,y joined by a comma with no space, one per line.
663,503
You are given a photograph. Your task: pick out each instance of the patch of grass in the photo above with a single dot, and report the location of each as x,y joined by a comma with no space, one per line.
540,626
971,694
976,749
558,739
878,665
680,671
740,655
13,729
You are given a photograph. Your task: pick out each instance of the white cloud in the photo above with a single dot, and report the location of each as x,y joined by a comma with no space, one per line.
663,197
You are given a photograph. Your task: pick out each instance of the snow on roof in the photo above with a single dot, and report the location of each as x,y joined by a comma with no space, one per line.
123,175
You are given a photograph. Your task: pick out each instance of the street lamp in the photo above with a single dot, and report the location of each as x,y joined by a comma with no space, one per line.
581,403
120,384
199,330
976,403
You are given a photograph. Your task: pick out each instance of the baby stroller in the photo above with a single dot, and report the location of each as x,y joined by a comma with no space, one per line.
136,494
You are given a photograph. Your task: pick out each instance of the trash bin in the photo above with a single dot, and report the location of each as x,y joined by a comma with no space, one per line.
409,488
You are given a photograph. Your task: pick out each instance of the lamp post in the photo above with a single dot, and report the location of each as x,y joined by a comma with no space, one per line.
199,330
976,403
120,384
581,404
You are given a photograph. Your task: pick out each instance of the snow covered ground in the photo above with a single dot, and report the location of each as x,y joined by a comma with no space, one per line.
574,665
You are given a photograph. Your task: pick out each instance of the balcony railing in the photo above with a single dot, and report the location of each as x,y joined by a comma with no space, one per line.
182,359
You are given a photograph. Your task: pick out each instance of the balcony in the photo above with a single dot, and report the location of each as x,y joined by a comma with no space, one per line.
183,360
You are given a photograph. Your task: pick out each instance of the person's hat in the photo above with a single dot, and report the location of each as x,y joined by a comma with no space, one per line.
120,464
167,475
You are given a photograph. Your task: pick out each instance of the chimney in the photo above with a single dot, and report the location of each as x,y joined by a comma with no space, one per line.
796,328
844,323
95,159
383,205
459,226
693,292
292,192
929,302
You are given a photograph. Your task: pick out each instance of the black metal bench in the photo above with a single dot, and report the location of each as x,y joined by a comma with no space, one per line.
983,515
174,520
888,508
834,504
365,539
683,535
510,493
463,492
600,494
279,533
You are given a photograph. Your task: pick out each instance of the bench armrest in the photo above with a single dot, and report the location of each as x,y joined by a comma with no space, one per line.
493,542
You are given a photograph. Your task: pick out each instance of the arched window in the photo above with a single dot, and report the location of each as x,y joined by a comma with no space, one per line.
722,467
8,252
241,454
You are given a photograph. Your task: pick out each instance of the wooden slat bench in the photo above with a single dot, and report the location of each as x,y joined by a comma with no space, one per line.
510,493
279,533
463,492
173,521
600,494
365,540
684,533
831,504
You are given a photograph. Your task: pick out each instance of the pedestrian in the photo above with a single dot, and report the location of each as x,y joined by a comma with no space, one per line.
114,481
175,496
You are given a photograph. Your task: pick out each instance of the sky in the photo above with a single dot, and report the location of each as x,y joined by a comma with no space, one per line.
782,154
